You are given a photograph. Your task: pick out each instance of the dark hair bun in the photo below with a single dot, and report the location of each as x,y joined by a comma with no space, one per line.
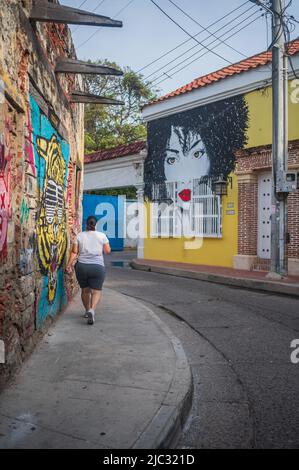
91,223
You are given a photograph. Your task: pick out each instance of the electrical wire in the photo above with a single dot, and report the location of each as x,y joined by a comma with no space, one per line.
190,35
206,38
95,9
83,3
212,42
203,27
99,30
194,60
267,32
294,19
287,24
188,40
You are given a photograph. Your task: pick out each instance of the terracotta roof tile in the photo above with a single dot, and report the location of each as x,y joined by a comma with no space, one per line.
116,152
243,66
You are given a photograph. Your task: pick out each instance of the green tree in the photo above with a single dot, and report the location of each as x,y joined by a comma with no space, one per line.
109,126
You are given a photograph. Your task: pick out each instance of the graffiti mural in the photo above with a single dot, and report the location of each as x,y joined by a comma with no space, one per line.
51,162
51,223
195,144
6,155
25,210
4,201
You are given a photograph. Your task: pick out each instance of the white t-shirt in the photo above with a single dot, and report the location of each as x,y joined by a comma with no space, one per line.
91,247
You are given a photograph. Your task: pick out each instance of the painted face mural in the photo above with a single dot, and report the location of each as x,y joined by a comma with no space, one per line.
196,144
51,224
185,157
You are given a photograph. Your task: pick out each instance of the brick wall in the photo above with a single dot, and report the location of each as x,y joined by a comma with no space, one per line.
247,223
293,225
41,158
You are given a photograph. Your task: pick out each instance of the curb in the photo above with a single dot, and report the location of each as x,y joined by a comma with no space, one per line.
254,284
166,426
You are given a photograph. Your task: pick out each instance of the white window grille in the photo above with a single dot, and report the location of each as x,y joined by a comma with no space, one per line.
205,212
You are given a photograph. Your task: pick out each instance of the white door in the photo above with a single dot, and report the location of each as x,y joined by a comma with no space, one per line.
264,214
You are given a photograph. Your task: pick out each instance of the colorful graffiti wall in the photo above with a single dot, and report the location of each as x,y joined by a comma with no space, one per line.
7,152
52,161
41,160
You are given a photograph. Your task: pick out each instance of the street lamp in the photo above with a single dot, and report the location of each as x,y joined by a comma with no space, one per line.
219,186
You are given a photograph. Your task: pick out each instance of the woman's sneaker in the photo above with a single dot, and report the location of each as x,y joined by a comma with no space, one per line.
85,315
90,317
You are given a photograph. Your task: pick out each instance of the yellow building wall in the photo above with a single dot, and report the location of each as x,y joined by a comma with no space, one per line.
260,117
220,251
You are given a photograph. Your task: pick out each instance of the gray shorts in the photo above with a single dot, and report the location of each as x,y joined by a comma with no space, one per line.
90,275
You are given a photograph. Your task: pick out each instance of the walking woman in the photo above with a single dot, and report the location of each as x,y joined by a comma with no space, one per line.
90,268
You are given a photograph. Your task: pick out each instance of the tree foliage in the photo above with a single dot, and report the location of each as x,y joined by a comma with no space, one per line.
109,126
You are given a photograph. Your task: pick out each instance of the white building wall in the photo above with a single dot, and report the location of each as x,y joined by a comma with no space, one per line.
116,173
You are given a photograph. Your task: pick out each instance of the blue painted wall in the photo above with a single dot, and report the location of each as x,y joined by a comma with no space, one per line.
109,211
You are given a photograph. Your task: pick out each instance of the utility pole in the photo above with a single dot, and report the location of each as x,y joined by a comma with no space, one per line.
279,144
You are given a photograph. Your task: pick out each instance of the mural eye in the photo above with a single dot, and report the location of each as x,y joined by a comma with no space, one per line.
198,153
171,160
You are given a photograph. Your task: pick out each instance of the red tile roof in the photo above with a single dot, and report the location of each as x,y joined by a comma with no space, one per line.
242,66
116,152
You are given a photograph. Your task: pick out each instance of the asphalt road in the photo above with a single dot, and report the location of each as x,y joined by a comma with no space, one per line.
246,389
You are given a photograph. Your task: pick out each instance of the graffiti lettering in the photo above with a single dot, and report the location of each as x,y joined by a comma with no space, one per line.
5,199
24,212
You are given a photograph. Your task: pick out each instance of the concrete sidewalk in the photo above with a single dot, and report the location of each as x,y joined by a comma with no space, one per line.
122,383
255,280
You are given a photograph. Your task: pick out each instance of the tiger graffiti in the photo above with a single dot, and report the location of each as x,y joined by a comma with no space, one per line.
51,223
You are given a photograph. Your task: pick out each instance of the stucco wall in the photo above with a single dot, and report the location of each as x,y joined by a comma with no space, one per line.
41,158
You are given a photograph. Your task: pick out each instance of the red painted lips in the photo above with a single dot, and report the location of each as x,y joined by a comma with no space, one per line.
185,195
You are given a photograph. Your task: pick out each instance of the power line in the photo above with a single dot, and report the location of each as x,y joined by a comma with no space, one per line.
204,28
194,60
95,9
294,19
187,32
200,32
193,47
202,55
83,3
267,32
98,30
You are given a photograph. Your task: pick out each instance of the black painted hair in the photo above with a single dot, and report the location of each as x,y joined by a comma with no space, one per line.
222,127
91,223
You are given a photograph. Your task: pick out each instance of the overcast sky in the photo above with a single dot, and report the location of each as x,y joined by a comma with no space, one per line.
147,34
